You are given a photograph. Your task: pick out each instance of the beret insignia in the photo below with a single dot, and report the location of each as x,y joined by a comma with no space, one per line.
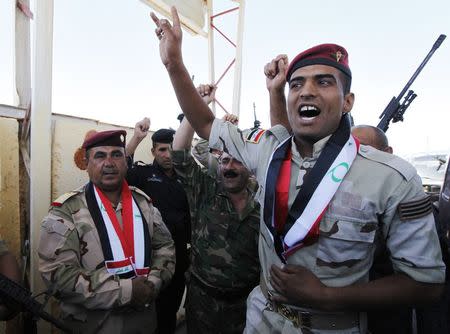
338,55
415,209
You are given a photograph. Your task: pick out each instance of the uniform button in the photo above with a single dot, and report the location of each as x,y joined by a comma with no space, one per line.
306,164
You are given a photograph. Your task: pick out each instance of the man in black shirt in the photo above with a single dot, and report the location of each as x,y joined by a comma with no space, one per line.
159,181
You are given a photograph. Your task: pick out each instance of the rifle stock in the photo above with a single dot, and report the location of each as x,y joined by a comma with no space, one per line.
13,293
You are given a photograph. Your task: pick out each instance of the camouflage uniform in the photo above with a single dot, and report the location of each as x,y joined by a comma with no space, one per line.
360,209
224,253
71,262
202,154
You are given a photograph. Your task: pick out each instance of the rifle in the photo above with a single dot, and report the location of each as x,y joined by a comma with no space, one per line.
257,123
394,110
13,293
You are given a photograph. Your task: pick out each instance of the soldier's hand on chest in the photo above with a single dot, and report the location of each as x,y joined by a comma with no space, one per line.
296,285
143,292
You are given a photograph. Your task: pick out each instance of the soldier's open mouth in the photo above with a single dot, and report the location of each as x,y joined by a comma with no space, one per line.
308,111
230,174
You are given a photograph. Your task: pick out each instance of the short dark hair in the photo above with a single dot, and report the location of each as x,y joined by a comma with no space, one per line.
155,143
346,82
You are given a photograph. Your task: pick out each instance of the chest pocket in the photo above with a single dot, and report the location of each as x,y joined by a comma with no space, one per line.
344,245
243,236
216,223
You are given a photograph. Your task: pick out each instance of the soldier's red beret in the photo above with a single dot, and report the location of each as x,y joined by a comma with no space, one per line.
324,54
105,138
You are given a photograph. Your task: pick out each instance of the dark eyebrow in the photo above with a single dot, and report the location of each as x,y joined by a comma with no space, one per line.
325,76
297,78
317,76
99,154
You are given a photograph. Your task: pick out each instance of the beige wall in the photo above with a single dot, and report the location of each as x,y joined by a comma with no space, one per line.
9,184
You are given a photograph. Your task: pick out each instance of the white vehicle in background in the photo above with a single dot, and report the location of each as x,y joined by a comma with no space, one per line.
431,168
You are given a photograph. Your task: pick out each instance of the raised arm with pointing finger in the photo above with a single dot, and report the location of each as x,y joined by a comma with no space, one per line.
194,108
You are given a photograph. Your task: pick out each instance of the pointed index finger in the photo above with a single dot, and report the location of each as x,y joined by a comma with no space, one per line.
155,18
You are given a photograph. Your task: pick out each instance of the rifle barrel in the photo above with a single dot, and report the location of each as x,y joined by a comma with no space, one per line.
436,45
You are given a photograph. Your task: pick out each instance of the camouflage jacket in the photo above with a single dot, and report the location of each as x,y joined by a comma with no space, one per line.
71,259
224,244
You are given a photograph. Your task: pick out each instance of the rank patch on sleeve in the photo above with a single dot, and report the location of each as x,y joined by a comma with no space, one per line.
255,135
415,209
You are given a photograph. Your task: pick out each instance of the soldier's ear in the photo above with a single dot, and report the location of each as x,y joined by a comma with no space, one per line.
349,99
389,150
80,158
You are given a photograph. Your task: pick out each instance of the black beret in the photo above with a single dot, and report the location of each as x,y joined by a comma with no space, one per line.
164,136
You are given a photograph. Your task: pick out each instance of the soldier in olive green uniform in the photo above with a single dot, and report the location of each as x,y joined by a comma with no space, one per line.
105,275
323,200
224,249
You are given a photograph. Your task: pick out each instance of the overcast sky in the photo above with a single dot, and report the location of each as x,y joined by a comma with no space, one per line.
107,66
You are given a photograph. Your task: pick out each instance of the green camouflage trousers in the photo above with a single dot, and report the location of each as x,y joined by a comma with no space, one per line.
206,314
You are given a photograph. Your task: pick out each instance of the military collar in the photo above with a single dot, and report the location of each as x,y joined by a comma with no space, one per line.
161,170
250,205
317,149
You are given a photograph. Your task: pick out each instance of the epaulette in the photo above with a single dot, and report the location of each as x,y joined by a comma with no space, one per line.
279,132
140,192
254,136
61,199
391,160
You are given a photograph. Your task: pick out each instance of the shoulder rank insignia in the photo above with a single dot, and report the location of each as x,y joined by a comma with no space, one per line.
142,193
61,199
255,135
415,209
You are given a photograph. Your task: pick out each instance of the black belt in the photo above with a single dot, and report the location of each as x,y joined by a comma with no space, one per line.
221,293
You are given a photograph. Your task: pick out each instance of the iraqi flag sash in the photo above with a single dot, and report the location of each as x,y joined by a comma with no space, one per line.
301,224
126,249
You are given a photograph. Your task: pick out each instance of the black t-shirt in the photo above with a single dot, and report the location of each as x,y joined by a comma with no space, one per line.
169,197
